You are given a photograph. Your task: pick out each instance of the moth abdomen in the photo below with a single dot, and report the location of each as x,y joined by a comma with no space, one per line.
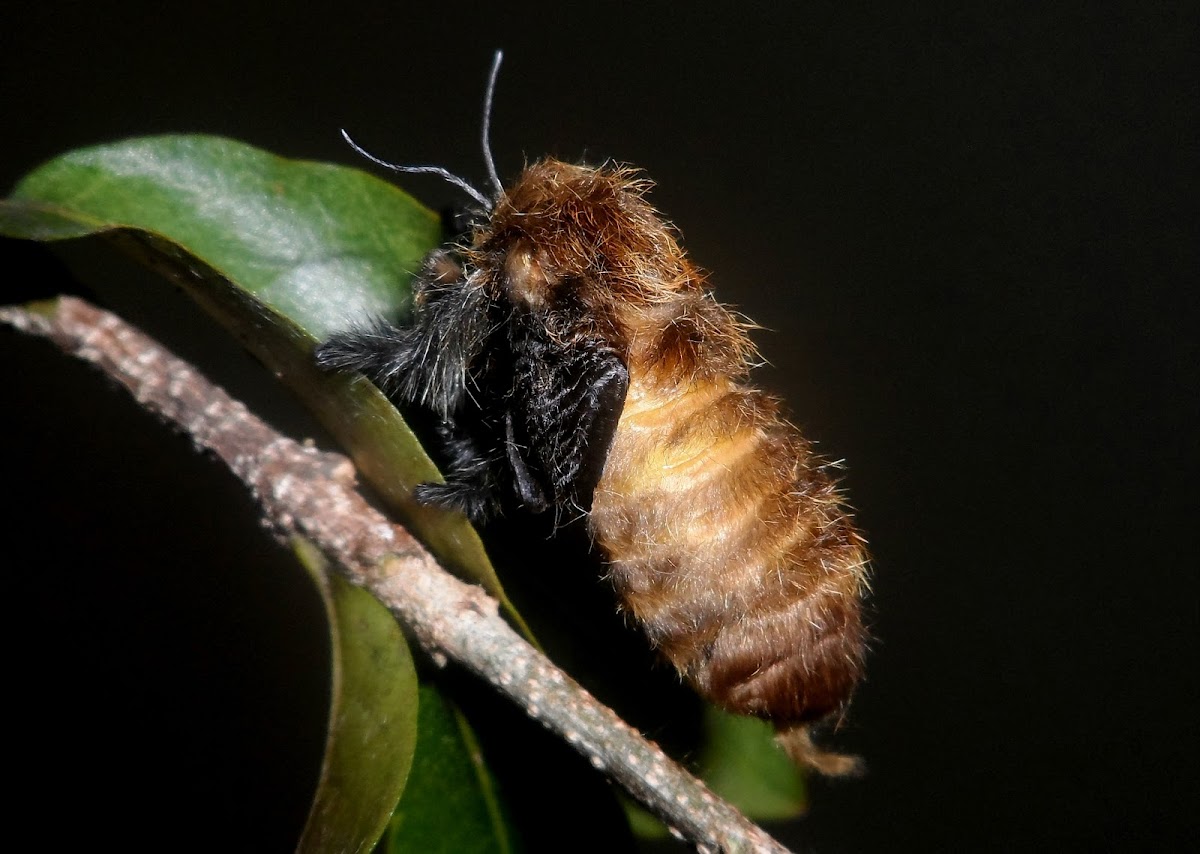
729,544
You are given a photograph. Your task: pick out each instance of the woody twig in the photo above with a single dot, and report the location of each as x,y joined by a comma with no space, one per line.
309,493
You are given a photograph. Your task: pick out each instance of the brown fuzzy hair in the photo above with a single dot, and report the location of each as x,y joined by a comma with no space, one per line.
727,539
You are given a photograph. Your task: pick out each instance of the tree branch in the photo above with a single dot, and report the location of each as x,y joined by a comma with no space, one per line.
311,493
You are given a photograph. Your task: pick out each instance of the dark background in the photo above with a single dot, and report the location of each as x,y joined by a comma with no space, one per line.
971,233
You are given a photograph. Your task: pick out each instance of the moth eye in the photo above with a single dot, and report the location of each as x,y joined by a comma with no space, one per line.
443,269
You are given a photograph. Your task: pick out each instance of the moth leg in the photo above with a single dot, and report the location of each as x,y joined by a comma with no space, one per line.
427,362
471,486
374,348
530,492
472,493
559,436
590,415
378,349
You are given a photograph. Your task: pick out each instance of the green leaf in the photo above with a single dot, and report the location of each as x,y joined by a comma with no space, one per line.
450,803
372,718
319,244
282,253
741,762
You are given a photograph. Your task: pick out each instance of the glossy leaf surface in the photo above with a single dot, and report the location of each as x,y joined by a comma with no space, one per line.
281,252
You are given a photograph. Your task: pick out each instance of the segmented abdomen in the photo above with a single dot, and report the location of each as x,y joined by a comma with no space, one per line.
730,545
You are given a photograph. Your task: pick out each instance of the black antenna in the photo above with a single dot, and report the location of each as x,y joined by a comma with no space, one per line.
440,171
487,123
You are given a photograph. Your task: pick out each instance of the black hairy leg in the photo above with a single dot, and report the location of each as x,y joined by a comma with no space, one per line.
565,403
426,362
377,349
471,486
